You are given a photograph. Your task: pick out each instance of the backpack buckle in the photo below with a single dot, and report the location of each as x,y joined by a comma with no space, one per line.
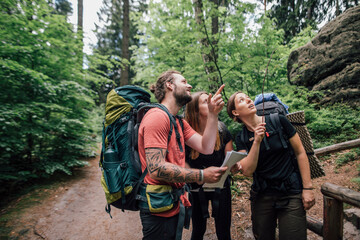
123,165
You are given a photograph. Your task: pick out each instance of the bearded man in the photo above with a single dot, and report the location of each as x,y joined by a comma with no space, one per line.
165,161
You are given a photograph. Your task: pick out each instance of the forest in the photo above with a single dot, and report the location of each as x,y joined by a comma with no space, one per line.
53,94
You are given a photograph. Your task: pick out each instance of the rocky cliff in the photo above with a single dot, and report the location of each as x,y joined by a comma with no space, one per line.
331,61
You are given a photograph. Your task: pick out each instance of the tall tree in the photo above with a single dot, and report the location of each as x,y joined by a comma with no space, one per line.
109,37
80,15
63,7
175,37
209,40
116,36
124,80
169,40
80,23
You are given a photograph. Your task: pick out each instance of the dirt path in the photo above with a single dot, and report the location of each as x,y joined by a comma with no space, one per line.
74,209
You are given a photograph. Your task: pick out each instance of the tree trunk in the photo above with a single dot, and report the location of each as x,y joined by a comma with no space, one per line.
209,59
80,27
124,78
337,9
213,79
337,147
264,6
310,11
80,14
292,17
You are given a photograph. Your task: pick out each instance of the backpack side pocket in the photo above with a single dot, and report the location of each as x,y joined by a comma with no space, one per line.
159,198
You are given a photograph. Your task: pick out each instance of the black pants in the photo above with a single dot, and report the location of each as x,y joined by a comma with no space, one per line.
155,227
288,211
222,220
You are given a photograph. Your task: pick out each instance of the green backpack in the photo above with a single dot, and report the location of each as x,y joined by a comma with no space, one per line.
122,177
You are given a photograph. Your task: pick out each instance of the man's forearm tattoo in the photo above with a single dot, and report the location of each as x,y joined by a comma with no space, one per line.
155,158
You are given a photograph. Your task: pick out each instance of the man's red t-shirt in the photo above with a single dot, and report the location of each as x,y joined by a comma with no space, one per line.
153,133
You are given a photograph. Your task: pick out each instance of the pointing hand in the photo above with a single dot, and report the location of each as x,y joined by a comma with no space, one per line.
216,103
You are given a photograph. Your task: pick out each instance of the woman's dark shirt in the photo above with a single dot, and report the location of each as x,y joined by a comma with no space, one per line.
217,157
277,167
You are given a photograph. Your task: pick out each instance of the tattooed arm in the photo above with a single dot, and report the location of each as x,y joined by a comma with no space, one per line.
159,169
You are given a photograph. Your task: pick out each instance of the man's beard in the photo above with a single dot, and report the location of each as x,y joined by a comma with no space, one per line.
181,98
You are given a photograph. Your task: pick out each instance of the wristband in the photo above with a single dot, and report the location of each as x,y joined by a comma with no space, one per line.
310,188
201,175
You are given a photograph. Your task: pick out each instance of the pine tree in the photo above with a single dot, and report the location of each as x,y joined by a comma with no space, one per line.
295,15
116,37
124,79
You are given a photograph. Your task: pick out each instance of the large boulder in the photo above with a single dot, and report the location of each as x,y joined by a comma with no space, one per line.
331,61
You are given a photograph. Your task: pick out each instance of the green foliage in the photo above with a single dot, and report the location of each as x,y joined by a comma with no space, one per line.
295,16
63,7
327,125
109,35
334,124
109,39
236,190
356,151
247,57
169,41
302,38
45,102
96,119
357,179
97,75
345,158
350,156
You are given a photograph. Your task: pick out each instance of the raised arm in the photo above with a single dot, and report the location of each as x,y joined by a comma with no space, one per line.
161,170
248,164
205,143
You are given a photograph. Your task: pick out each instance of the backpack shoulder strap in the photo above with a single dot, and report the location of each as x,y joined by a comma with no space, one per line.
244,138
173,124
275,121
180,118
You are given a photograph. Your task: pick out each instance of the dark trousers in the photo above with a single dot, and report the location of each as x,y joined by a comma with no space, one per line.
155,227
288,211
222,219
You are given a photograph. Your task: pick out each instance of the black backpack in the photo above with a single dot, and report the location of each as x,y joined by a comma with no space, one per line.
273,106
270,107
270,104
122,177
